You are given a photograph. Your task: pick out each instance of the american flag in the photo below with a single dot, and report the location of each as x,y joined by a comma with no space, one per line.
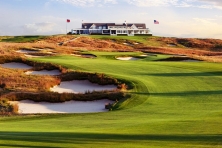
156,22
68,20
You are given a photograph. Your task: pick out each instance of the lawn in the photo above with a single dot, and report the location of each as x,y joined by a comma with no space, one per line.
22,39
146,40
173,104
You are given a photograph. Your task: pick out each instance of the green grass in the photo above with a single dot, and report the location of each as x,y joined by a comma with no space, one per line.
22,39
146,40
173,104
5,37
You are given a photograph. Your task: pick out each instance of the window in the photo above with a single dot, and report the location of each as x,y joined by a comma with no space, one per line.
85,27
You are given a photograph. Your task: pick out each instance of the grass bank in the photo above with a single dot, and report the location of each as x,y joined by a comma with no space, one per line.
173,104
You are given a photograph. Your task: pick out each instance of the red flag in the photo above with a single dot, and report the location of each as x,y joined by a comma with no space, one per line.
68,20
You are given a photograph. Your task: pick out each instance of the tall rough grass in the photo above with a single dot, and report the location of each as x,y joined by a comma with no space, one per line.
6,108
54,97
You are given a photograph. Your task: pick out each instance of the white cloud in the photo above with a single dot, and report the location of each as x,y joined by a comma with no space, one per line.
150,3
79,2
38,27
214,2
204,21
211,4
207,4
195,27
88,3
110,1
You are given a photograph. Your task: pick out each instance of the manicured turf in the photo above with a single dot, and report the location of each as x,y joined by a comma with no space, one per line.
22,39
146,40
173,104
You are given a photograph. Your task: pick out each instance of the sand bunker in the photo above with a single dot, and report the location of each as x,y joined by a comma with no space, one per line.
44,72
15,65
172,45
88,56
33,56
26,51
80,86
191,60
84,55
31,107
127,58
144,55
128,44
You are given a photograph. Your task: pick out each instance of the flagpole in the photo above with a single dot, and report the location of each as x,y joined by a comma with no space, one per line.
66,27
67,21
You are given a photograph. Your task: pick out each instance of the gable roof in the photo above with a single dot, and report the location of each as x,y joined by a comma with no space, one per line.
138,25
88,25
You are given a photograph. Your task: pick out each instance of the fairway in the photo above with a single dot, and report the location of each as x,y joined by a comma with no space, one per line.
173,104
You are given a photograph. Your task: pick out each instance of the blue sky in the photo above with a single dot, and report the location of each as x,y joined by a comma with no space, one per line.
178,18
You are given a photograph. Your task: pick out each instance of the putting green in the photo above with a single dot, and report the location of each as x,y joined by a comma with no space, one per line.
173,104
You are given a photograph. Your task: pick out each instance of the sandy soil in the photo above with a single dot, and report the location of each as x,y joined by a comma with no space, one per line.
27,106
44,72
15,65
80,86
127,58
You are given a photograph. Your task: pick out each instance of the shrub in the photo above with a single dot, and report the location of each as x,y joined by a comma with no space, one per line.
7,108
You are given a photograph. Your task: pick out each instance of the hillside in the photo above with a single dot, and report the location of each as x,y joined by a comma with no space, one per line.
174,99
203,49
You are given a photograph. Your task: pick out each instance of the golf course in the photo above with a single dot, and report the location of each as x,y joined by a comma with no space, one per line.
175,104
